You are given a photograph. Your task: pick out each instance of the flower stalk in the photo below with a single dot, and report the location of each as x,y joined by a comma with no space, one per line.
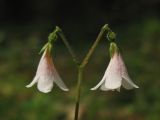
104,30
81,67
64,39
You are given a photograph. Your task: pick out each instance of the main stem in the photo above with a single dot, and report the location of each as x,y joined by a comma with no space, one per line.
81,67
80,75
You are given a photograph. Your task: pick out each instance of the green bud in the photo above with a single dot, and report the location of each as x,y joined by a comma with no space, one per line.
113,48
111,36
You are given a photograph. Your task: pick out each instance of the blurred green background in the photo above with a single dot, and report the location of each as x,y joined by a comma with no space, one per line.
24,28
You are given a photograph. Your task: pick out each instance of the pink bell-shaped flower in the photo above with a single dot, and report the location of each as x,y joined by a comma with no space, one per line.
47,75
115,75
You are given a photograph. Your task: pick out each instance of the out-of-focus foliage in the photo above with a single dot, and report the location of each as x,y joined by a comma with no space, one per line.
137,38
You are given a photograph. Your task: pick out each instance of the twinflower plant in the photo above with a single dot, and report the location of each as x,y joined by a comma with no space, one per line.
115,76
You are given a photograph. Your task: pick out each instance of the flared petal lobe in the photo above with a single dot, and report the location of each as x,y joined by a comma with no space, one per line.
126,82
35,80
99,84
59,81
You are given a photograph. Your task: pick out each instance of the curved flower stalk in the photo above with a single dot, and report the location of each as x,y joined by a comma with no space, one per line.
47,75
116,73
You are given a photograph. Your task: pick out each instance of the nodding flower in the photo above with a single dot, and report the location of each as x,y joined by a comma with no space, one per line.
47,75
116,73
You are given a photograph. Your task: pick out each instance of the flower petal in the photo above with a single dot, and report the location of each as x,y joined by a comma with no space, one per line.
103,87
45,84
61,84
33,82
99,84
128,84
59,81
113,73
113,82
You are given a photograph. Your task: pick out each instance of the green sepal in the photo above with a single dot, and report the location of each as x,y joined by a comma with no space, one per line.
52,37
113,49
48,46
